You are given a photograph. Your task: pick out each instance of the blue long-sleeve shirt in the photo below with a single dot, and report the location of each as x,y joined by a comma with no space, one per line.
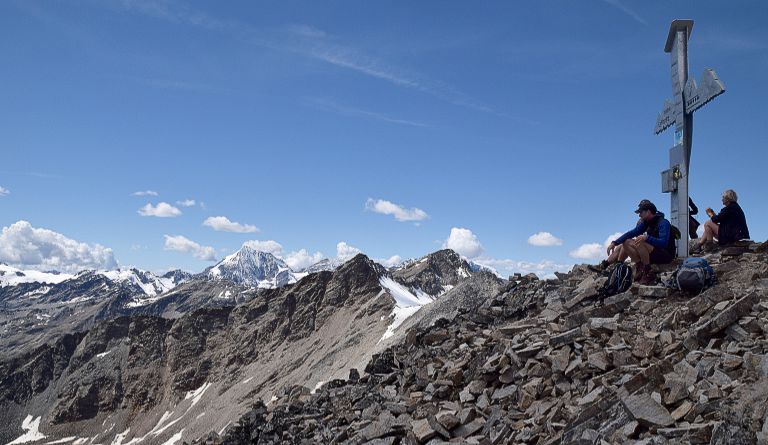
665,231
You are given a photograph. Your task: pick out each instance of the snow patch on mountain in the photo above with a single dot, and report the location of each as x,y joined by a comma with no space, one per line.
148,282
32,428
11,276
407,303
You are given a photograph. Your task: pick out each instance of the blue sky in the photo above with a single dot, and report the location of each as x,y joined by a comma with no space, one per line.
300,119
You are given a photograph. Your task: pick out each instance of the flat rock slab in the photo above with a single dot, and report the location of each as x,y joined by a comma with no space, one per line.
721,321
647,411
565,338
651,291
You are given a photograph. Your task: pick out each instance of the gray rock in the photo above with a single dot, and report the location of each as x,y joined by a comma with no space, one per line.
647,411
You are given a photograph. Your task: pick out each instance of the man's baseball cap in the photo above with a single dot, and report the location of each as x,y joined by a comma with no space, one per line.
645,205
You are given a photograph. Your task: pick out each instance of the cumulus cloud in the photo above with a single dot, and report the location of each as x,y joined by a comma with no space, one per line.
593,251
144,193
589,251
544,239
28,247
394,260
543,269
270,246
302,259
611,238
162,210
399,212
4,191
179,243
344,251
223,224
186,203
464,242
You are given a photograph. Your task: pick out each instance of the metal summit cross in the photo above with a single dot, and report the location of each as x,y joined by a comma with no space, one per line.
687,97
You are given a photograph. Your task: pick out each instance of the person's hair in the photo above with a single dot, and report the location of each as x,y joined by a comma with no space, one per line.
730,195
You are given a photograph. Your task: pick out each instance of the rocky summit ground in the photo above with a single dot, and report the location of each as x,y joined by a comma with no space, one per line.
547,362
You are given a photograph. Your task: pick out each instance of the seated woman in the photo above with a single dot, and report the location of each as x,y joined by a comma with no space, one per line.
729,225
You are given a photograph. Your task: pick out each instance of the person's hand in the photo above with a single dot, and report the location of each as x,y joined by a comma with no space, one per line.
710,212
610,248
640,239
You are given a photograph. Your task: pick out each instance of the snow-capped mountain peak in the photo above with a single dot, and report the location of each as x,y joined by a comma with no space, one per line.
329,264
148,282
253,268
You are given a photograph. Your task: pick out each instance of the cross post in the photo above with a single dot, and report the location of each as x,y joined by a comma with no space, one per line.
687,97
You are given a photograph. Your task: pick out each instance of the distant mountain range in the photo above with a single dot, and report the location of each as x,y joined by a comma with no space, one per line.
98,347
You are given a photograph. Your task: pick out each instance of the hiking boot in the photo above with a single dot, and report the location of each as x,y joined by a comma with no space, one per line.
708,247
649,276
695,248
639,271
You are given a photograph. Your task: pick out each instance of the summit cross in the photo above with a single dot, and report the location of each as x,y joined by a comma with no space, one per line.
687,97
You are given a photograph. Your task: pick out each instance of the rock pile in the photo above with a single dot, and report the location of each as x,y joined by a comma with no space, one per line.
549,362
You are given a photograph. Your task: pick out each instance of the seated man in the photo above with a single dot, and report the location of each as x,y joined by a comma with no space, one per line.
650,242
727,226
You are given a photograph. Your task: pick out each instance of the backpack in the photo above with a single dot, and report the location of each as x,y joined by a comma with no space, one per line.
694,275
619,281
675,232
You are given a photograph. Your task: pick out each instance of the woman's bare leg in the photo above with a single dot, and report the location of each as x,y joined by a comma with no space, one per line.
711,231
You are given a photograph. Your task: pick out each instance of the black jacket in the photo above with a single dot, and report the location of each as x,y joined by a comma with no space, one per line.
732,222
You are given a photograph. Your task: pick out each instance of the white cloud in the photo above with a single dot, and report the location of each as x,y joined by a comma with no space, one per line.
394,260
223,224
590,251
594,251
464,242
544,239
162,210
543,269
302,259
42,249
4,191
344,251
389,208
611,238
270,246
144,193
179,243
186,203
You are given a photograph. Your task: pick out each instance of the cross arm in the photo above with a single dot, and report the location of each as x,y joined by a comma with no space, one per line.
696,96
666,117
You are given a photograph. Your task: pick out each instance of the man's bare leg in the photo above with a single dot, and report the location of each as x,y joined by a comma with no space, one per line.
644,251
617,255
623,255
630,250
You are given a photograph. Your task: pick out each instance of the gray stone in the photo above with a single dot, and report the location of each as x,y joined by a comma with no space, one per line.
565,338
469,429
423,430
647,411
604,325
651,291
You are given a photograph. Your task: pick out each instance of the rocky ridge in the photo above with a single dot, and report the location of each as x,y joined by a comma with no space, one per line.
158,376
550,362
